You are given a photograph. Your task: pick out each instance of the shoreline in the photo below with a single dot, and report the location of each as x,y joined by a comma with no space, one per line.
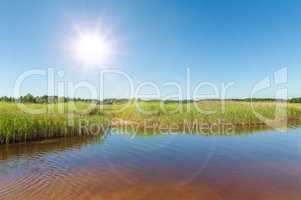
17,126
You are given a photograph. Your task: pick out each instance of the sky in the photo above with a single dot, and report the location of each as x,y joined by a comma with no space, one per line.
242,42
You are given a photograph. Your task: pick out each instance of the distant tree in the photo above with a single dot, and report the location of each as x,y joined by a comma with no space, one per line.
27,98
7,99
295,100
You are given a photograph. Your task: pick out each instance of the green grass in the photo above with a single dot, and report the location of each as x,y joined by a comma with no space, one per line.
203,116
233,112
68,119
17,125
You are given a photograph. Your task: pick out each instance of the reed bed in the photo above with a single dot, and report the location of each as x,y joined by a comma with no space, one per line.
80,118
19,126
240,115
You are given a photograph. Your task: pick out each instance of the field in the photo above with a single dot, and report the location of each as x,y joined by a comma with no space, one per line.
18,124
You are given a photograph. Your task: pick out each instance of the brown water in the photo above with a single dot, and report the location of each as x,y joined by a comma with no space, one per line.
263,166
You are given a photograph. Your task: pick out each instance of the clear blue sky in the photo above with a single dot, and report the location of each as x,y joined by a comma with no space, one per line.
221,41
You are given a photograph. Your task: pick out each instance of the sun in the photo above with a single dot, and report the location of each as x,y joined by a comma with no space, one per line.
92,48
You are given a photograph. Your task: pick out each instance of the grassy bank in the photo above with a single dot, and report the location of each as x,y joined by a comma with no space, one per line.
72,119
57,120
206,114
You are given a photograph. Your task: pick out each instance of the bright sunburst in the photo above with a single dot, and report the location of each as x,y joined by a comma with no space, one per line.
92,48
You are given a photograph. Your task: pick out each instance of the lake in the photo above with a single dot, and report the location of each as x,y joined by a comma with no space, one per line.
265,165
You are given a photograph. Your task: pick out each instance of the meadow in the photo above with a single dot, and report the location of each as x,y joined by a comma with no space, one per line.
83,118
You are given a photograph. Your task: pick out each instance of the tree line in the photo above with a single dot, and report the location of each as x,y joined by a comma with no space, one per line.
29,98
